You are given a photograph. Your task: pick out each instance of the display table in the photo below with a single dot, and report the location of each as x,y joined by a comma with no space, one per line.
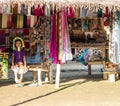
102,47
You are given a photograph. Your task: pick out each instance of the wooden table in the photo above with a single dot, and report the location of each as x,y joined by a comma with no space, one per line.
102,47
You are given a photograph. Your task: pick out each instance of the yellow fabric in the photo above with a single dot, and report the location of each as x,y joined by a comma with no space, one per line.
4,20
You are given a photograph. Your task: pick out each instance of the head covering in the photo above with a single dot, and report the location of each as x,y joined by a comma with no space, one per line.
14,41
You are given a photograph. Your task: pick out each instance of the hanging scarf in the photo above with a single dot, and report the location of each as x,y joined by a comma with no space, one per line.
114,43
118,17
67,55
53,43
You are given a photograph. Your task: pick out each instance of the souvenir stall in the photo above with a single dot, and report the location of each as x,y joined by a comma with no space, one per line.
55,31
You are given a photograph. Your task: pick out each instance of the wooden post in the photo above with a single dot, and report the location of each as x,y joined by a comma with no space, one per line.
39,76
51,74
57,81
89,69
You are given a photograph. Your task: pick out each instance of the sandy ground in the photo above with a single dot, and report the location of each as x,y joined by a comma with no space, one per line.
76,89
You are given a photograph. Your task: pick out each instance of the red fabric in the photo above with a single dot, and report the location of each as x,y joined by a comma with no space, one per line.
28,21
9,21
27,45
26,31
70,12
107,12
39,10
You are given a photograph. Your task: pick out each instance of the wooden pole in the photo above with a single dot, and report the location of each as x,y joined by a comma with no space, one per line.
57,81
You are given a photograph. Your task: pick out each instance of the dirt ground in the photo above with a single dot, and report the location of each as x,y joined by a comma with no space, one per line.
76,89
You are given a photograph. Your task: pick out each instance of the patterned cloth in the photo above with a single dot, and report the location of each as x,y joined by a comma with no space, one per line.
114,41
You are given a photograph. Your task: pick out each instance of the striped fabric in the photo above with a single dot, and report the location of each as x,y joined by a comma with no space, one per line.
60,40
67,55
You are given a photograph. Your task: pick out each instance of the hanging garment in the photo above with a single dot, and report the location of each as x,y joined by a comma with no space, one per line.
84,12
47,10
77,11
24,9
14,8
107,12
70,12
26,23
106,16
64,39
21,20
3,20
29,10
114,38
2,9
9,21
118,21
7,8
67,54
100,13
14,21
32,10
32,21
95,13
89,13
53,39
39,10
2,38
113,45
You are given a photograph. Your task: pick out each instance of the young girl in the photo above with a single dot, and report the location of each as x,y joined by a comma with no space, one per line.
18,60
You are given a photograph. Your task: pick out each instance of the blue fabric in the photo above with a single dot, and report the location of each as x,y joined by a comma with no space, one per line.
81,57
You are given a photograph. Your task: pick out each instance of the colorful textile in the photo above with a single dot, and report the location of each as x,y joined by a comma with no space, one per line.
9,21
70,12
84,12
14,21
47,10
14,8
3,68
53,39
118,19
3,20
67,55
100,13
2,37
24,9
114,39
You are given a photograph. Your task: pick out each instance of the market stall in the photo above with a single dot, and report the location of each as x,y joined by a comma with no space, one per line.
58,30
